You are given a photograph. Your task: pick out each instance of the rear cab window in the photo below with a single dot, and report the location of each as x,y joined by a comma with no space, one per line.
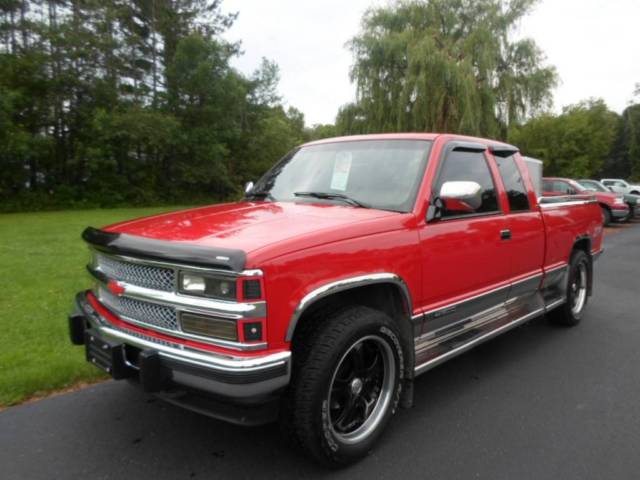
513,183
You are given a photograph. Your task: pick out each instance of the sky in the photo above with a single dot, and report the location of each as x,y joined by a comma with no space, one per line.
594,44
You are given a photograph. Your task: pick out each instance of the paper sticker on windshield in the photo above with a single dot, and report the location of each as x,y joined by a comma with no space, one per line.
341,169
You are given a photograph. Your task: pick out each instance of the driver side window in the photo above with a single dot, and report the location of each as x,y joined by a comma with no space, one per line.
465,166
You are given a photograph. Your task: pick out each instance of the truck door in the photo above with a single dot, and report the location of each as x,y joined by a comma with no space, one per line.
464,254
525,247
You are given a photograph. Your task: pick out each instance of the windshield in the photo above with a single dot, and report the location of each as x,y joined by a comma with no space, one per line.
382,174
593,186
579,188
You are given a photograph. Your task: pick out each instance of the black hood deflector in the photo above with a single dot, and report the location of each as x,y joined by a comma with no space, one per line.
162,250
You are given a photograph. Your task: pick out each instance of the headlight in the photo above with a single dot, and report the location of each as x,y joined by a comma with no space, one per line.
619,201
201,285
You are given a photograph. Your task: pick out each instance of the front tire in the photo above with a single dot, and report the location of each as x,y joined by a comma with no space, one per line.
345,385
577,291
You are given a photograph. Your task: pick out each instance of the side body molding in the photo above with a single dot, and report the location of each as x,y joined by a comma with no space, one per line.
347,284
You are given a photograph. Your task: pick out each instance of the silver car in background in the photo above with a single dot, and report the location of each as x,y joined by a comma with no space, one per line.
620,186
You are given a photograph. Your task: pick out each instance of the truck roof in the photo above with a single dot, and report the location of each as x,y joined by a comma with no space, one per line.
404,136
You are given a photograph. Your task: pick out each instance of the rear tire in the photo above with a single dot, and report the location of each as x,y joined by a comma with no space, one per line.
345,385
578,280
606,216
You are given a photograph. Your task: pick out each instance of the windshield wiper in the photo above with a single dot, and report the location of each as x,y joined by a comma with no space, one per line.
333,196
258,195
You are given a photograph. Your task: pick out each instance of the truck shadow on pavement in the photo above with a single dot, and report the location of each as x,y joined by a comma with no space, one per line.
116,431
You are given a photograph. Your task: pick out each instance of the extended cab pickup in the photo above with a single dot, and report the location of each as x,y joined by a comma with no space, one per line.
352,266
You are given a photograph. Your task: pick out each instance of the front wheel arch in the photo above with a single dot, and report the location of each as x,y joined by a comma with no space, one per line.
336,291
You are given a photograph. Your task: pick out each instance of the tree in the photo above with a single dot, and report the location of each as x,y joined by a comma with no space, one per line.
625,161
320,131
107,102
575,144
445,66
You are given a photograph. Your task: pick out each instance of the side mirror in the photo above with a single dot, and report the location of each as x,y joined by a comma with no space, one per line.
461,196
248,187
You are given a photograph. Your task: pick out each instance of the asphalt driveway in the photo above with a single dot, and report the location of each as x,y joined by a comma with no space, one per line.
540,402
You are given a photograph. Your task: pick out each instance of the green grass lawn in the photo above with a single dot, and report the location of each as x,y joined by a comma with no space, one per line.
42,266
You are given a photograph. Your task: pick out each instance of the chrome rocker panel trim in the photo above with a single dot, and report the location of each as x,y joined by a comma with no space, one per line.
428,365
449,316
528,298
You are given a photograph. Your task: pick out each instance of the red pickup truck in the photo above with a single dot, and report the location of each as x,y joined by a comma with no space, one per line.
352,266
612,204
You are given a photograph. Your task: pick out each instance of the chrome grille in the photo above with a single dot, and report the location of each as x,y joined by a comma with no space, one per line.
146,313
141,275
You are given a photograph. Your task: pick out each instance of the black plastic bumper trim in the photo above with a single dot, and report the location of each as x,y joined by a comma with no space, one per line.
245,415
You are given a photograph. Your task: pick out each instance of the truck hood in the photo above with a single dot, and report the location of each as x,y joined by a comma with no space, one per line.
608,198
253,226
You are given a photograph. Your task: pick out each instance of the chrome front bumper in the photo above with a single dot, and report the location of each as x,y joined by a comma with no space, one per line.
619,213
246,379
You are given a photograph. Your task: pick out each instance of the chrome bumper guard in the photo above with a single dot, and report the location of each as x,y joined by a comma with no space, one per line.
165,366
619,212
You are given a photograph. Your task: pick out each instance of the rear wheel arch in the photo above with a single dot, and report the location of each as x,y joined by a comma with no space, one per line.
579,266
635,192
583,243
606,210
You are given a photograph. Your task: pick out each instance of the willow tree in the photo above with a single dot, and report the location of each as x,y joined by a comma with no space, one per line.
445,65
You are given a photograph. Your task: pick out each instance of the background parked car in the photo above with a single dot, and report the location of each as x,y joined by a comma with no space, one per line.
620,186
612,204
632,201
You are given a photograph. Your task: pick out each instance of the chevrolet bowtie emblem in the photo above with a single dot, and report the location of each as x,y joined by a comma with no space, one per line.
115,288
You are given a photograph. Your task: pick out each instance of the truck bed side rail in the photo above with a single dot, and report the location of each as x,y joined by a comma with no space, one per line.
562,200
